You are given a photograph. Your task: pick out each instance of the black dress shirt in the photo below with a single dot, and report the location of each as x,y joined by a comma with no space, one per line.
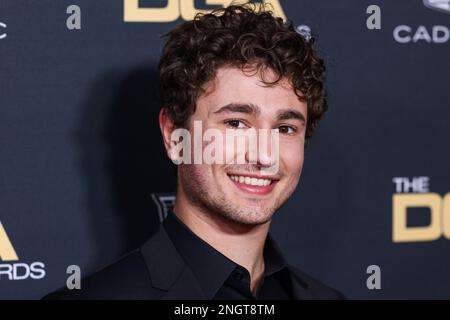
222,279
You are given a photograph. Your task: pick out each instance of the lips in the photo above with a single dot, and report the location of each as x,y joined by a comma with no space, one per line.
253,184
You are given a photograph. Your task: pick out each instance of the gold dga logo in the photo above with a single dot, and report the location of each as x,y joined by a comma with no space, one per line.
7,252
184,8
12,269
439,217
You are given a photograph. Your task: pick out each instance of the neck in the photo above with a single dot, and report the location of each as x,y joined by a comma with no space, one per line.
243,244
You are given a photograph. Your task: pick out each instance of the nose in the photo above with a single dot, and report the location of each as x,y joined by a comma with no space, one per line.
264,152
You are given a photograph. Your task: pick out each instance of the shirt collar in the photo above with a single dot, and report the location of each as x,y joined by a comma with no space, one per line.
210,267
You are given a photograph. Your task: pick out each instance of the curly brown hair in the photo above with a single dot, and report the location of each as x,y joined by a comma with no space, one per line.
240,36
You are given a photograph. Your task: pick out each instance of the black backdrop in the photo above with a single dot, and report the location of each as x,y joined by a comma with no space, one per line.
81,153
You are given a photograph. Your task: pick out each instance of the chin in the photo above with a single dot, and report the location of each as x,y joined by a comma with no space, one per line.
249,216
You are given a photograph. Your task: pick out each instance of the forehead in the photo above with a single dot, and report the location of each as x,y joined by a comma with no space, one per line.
232,85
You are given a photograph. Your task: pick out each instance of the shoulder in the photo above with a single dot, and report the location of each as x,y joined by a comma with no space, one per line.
313,288
128,278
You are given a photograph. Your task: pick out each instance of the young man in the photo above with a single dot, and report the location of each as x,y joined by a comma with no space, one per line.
231,71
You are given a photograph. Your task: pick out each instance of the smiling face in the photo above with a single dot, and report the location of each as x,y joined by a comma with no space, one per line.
243,193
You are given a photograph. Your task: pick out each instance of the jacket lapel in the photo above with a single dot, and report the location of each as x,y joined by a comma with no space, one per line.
298,287
167,269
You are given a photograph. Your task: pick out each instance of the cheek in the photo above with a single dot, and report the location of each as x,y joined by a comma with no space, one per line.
196,175
292,158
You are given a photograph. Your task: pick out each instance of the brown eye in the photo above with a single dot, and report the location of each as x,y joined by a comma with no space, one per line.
237,124
286,129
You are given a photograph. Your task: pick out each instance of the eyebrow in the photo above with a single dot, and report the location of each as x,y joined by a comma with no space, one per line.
248,108
291,114
253,109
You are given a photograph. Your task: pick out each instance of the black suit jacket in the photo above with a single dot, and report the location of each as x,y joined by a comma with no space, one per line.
156,271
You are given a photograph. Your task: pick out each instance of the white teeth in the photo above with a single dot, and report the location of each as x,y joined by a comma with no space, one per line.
251,181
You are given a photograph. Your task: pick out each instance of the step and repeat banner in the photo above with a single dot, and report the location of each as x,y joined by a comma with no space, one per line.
84,177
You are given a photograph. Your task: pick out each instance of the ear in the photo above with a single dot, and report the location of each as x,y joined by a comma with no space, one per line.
166,126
